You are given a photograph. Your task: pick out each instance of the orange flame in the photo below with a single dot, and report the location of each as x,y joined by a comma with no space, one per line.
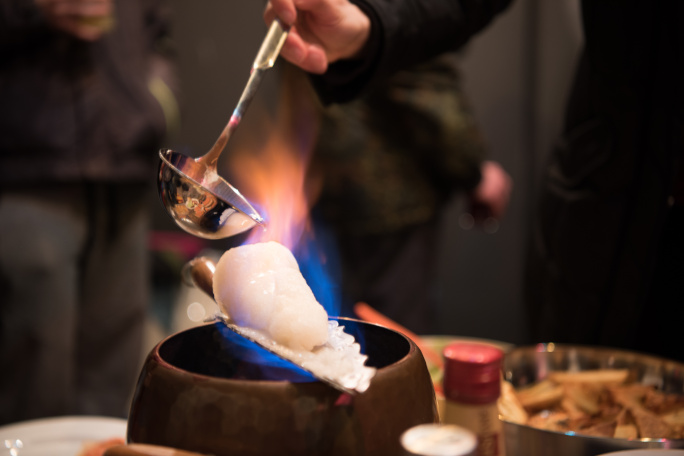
275,177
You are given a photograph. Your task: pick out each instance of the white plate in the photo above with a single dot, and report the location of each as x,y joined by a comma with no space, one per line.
647,452
63,436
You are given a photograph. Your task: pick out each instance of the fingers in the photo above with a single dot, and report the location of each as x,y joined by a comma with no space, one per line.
74,27
307,56
282,9
310,57
85,19
81,8
286,10
495,199
322,31
491,197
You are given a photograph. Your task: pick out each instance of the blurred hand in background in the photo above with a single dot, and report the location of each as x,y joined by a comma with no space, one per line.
87,20
490,198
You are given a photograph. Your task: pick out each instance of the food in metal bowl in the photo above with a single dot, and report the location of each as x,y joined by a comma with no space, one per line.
590,400
601,402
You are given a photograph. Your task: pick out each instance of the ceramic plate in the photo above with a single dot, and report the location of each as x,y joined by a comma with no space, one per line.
63,436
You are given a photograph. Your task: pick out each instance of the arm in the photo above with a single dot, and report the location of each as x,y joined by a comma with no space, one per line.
86,20
351,43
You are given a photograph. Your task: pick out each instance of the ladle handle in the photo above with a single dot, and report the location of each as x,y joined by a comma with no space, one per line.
270,48
265,59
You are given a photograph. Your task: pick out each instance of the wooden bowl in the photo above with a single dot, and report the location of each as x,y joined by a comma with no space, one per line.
200,391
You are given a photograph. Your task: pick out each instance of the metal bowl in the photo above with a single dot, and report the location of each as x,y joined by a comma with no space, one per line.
202,203
527,365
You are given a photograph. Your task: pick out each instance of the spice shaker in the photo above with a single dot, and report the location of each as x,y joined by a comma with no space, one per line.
472,386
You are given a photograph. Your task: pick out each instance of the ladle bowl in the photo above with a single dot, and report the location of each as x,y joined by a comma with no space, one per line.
208,209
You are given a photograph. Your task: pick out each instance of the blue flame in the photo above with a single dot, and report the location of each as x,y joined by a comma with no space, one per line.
319,267
272,366
316,254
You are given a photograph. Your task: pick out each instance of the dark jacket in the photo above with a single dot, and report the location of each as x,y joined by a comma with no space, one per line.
402,167
405,33
397,154
607,188
74,110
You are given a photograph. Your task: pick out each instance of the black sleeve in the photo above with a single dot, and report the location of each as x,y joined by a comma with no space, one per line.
404,33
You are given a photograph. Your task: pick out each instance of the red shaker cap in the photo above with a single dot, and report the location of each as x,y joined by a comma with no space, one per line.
472,372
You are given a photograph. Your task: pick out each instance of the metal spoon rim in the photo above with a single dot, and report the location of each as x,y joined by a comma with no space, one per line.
252,213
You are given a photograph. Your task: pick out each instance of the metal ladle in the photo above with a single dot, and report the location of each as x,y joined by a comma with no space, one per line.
197,198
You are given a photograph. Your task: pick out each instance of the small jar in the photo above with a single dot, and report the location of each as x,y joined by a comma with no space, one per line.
472,386
438,440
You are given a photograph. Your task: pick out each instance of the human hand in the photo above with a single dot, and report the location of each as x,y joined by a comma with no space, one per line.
87,20
490,198
322,31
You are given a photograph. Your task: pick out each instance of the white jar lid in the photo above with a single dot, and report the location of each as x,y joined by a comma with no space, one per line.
438,440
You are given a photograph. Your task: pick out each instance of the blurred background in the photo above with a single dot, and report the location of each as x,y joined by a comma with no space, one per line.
516,73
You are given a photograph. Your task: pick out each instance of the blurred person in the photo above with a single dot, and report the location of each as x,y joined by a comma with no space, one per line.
79,132
389,163
607,259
